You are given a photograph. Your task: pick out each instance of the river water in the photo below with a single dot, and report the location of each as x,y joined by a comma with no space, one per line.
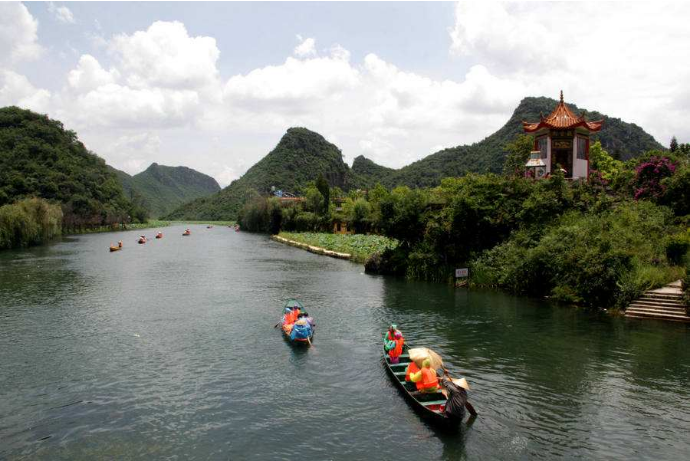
167,351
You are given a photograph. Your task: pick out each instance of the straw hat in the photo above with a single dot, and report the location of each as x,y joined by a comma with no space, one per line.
461,383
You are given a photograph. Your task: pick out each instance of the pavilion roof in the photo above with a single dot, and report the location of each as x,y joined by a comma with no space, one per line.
562,118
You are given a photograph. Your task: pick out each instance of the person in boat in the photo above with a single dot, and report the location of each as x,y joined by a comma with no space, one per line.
119,244
305,316
390,334
395,347
425,379
410,370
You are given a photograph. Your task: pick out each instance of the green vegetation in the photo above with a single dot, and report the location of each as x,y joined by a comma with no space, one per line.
160,188
29,222
301,155
359,246
39,158
299,158
599,243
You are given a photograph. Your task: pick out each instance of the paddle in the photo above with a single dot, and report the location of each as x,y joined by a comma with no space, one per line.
468,405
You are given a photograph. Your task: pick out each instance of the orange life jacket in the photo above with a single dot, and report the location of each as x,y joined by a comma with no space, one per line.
411,368
397,350
428,381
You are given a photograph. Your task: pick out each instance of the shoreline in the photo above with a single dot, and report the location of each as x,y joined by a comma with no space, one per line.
312,248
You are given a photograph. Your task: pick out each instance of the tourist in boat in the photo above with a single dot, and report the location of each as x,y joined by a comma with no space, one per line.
411,369
390,334
119,244
395,347
425,379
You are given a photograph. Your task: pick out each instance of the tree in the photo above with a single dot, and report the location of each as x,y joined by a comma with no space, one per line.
275,215
602,162
315,200
518,154
322,186
674,144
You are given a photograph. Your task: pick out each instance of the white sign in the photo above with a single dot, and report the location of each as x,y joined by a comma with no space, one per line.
462,272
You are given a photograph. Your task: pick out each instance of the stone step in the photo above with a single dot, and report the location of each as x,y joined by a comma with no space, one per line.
673,318
648,302
633,309
657,297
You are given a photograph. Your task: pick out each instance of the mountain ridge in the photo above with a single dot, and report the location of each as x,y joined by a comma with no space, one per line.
623,140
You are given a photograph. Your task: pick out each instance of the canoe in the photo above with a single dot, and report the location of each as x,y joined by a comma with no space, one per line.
159,236
430,406
142,241
115,248
184,234
287,327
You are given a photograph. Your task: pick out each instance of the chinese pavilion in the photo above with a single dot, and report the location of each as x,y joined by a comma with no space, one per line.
562,139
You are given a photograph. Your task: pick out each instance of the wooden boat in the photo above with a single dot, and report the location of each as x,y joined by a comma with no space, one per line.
142,240
115,248
159,235
209,227
287,327
430,406
186,233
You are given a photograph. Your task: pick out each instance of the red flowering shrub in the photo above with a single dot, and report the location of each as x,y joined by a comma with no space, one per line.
648,176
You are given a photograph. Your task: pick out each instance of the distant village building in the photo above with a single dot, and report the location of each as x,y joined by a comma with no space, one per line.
561,140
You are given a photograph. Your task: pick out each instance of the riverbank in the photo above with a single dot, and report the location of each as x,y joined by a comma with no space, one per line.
356,247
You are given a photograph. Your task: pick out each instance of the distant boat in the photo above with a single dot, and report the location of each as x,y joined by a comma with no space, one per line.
159,235
116,248
142,239
187,232
209,227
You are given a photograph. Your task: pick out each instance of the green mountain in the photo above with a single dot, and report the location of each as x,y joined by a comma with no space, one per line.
300,156
370,172
162,188
622,140
39,158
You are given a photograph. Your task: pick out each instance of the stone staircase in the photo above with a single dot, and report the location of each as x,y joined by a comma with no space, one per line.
664,303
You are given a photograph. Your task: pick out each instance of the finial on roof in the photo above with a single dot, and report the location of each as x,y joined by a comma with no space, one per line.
561,96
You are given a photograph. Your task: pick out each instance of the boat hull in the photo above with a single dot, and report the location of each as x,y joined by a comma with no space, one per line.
430,406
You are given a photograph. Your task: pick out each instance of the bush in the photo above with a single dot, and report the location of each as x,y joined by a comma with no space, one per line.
677,247
29,222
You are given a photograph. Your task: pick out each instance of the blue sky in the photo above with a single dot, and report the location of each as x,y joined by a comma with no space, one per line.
214,85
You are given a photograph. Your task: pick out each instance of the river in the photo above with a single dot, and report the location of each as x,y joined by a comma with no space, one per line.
167,351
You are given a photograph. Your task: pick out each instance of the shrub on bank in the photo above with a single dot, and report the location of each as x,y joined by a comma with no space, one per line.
29,222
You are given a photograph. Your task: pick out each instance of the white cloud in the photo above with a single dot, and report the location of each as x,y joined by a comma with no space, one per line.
61,13
18,34
15,89
89,75
306,48
166,56
625,59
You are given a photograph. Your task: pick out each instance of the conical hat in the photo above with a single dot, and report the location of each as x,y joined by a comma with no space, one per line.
461,383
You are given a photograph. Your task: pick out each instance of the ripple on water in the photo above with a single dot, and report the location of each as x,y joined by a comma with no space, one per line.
167,350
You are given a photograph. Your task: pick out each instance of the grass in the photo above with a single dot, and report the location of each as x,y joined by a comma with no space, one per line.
360,246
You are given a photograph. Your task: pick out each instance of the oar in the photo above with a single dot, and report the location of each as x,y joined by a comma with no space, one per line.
468,405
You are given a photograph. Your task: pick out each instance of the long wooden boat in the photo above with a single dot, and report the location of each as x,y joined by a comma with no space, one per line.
112,248
186,233
287,327
430,406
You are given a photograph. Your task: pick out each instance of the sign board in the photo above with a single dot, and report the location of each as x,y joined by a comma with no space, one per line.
462,272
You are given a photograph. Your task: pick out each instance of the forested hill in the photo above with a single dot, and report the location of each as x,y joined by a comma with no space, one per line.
622,140
39,158
162,188
300,156
370,172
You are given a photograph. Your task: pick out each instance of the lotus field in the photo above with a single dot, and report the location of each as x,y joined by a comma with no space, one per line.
360,246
